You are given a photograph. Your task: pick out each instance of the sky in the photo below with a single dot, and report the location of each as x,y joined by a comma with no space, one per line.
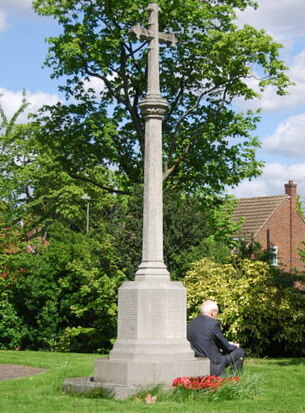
281,131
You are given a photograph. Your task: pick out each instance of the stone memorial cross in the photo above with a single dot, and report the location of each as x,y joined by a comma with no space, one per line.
154,37
153,108
151,346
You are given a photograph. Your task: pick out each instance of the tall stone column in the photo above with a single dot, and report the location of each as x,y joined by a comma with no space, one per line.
153,108
151,346
152,265
156,305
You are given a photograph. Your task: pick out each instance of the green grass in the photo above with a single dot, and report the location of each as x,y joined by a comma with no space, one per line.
282,388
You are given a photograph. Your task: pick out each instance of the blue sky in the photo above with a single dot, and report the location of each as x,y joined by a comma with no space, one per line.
282,130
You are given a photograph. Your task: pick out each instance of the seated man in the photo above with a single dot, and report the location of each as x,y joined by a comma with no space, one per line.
207,340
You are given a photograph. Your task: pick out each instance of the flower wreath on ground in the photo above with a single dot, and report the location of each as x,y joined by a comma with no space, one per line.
210,388
210,383
215,388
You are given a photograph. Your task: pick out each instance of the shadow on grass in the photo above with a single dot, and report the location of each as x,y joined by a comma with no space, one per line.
291,362
288,362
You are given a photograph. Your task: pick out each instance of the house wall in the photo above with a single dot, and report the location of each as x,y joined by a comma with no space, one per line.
286,230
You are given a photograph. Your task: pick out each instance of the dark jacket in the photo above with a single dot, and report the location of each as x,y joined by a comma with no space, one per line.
206,338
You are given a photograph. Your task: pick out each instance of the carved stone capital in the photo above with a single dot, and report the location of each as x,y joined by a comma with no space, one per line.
153,107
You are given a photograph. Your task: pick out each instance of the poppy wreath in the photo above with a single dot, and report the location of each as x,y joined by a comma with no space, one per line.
211,383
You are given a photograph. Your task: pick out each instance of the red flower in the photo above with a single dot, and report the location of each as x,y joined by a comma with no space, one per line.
211,383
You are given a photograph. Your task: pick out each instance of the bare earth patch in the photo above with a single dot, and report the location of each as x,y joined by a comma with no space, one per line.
13,371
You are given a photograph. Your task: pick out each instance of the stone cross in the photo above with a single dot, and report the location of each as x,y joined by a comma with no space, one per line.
151,348
153,108
154,37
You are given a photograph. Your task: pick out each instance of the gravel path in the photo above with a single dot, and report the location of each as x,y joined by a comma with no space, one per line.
13,371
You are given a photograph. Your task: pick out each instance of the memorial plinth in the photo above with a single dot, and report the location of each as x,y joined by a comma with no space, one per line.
151,347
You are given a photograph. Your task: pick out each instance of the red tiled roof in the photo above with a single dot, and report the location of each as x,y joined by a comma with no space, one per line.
256,212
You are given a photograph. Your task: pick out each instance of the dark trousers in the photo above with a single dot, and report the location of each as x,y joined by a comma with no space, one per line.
235,360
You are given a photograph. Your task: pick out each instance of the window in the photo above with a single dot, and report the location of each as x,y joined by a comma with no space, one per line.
274,255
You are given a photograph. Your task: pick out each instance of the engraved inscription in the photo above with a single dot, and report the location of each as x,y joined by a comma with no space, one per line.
176,315
156,319
127,322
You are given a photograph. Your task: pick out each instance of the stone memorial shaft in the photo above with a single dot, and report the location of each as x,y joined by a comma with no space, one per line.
153,108
151,346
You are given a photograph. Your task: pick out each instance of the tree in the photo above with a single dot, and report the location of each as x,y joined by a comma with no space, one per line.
208,143
11,245
63,296
35,188
193,228
260,306
15,155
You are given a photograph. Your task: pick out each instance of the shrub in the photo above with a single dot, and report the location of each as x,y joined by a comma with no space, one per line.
65,296
12,330
265,316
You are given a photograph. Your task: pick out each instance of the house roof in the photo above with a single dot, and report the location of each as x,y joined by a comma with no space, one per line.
256,212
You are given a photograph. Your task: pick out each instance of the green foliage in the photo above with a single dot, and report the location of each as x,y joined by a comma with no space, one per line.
193,227
125,226
207,143
12,330
302,251
263,314
66,293
196,228
186,225
36,188
67,288
300,207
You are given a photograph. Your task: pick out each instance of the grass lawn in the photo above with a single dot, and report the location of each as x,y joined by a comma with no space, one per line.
282,388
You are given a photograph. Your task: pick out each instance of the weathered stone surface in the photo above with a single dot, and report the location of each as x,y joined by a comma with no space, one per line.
151,348
152,322
87,385
147,373
121,379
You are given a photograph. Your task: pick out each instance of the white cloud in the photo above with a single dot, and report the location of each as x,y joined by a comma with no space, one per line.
288,138
3,22
272,181
16,6
297,70
11,101
21,8
283,19
95,84
270,101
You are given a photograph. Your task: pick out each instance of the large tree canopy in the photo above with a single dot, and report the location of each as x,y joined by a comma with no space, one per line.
207,141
